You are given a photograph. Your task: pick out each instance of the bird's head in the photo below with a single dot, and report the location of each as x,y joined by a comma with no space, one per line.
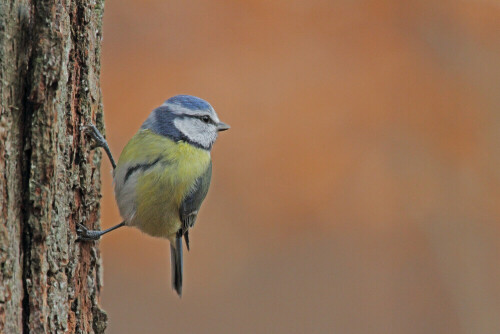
187,118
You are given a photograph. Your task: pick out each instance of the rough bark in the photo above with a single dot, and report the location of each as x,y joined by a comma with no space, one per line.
49,177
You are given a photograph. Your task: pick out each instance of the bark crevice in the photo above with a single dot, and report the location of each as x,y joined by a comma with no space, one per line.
25,156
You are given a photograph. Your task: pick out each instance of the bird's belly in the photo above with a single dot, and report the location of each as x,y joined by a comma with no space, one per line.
149,197
164,226
159,200
160,193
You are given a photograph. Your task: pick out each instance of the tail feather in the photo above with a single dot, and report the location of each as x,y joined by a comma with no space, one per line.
176,265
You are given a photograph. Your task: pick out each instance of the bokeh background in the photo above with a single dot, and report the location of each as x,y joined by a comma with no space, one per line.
358,190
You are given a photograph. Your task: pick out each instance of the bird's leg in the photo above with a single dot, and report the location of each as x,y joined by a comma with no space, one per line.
100,141
84,234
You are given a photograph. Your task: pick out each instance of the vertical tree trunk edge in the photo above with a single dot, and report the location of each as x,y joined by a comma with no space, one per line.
49,177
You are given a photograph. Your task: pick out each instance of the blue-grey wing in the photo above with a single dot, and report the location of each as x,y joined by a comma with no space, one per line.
192,203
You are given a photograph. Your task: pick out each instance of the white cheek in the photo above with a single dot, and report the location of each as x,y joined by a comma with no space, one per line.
197,131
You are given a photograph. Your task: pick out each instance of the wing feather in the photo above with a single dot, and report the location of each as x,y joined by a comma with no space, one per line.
192,203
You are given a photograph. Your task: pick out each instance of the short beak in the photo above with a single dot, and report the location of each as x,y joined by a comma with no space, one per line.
222,126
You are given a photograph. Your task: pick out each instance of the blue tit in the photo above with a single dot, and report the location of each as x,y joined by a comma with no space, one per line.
164,172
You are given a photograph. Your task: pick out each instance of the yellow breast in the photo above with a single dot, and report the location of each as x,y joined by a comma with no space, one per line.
161,189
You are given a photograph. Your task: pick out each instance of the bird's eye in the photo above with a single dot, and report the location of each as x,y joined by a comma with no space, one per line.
205,119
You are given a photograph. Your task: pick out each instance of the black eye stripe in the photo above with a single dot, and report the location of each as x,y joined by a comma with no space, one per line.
203,118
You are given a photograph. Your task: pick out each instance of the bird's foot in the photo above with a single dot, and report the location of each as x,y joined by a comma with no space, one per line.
84,234
99,140
92,131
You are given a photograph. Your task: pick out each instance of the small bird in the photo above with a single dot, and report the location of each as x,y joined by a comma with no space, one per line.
163,173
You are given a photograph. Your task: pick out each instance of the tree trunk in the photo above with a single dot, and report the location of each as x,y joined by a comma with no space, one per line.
49,177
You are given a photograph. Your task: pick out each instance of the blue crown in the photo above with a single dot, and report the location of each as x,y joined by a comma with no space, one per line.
189,102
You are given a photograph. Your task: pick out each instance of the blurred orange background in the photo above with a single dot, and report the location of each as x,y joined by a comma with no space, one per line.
358,189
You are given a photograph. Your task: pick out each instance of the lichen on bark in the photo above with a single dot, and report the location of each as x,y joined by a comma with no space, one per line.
49,177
